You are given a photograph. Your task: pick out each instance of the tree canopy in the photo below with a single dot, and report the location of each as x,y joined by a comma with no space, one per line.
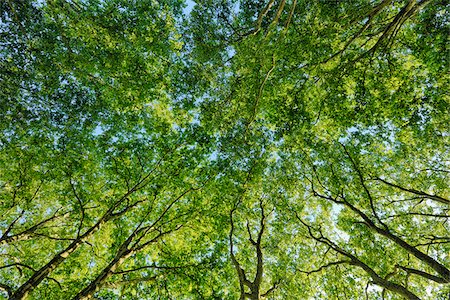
224,149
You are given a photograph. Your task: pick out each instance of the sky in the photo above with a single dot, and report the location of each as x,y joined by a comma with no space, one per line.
189,6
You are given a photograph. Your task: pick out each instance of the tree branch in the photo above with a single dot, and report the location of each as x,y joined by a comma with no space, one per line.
416,192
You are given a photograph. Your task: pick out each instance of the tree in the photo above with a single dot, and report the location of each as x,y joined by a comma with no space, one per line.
248,150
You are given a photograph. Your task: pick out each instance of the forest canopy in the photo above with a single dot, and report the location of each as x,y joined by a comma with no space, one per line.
224,149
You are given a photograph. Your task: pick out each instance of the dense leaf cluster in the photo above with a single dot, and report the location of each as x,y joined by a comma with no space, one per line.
224,149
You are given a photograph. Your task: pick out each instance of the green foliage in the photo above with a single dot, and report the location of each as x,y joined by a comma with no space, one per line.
247,150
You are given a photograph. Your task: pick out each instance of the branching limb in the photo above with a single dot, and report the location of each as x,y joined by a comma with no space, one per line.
261,16
423,274
11,225
6,288
80,203
29,232
243,281
416,192
366,189
391,286
260,93
334,263
273,288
